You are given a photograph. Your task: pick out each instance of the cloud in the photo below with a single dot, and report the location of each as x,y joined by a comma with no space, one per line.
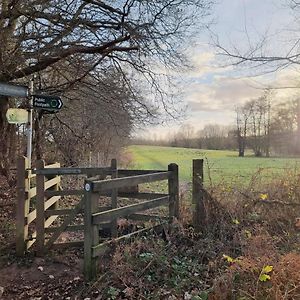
204,63
224,93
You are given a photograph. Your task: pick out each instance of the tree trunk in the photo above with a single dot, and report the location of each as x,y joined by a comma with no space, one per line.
7,141
241,144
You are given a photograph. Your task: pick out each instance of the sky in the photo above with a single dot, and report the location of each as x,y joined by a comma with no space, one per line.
214,87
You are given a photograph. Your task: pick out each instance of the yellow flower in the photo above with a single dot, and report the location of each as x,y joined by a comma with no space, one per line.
263,196
236,221
248,234
267,269
263,277
228,258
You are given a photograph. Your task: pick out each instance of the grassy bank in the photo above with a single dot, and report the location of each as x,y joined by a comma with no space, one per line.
221,165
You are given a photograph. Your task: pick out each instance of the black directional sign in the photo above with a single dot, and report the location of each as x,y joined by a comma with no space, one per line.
48,103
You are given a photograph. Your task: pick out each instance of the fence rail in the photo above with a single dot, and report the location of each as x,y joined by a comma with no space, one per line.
128,181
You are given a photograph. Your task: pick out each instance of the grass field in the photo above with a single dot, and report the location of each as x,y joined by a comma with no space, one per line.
223,165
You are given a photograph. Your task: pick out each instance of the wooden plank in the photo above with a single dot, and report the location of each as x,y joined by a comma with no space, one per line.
29,244
105,194
100,186
128,210
123,172
50,183
199,214
32,192
64,193
91,232
31,217
68,211
75,171
64,225
49,221
173,183
40,208
31,241
56,188
53,166
29,174
51,201
22,206
104,247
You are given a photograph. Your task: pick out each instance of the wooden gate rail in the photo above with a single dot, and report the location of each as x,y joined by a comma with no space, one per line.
104,185
93,217
93,171
75,171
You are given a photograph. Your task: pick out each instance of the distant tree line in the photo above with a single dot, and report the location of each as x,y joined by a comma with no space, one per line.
265,127
212,136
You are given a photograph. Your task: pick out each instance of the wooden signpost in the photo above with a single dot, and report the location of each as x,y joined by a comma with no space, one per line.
50,104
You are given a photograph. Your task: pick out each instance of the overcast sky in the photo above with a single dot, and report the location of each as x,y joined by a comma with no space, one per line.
212,91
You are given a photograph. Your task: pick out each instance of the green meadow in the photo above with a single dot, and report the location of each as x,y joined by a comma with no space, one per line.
219,165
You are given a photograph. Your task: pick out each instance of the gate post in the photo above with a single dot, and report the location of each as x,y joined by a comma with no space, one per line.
114,198
173,183
199,213
40,209
22,205
91,231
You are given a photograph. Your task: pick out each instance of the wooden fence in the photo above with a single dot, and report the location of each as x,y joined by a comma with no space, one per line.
94,217
39,205
41,217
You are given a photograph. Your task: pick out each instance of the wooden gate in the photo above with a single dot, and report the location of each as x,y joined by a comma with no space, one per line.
94,217
27,206
47,236
42,218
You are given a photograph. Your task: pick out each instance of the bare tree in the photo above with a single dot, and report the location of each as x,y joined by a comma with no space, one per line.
242,126
253,125
39,37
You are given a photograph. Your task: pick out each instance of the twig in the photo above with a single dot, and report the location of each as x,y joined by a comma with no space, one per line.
145,269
